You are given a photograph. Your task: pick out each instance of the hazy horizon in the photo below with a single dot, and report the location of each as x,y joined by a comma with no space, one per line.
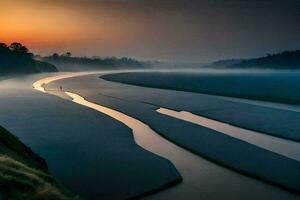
87,113
187,31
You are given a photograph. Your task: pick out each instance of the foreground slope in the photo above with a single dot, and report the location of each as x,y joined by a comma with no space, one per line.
24,175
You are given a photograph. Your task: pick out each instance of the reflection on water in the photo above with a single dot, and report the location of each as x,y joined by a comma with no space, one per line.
39,85
143,134
281,146
268,104
201,178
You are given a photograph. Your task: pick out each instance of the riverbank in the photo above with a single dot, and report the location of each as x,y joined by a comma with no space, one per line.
265,85
78,144
236,112
24,174
124,98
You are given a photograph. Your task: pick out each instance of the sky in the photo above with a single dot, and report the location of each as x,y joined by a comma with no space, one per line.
172,30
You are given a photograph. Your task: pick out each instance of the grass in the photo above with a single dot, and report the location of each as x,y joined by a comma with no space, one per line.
13,147
18,181
24,174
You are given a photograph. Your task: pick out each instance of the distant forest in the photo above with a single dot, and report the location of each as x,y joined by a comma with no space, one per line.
16,58
96,62
284,60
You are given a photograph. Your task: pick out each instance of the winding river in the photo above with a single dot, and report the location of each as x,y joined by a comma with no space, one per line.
201,179
288,148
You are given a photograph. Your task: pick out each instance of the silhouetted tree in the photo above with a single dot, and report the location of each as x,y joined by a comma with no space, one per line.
107,62
18,47
3,45
16,58
67,54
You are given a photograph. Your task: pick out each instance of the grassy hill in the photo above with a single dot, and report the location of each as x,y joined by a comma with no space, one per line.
24,174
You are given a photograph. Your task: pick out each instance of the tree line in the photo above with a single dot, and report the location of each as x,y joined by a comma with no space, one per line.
16,58
107,62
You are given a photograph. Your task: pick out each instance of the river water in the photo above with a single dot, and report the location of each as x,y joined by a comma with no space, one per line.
201,179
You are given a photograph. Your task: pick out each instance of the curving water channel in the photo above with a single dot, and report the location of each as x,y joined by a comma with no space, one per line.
201,179
288,148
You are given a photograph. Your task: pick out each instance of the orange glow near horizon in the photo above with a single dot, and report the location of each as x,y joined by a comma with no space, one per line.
39,25
198,31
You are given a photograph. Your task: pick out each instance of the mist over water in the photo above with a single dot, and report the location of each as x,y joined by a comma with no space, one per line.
127,98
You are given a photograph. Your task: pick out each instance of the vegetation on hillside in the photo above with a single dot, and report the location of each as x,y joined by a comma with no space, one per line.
18,182
284,60
97,62
16,58
24,175
13,147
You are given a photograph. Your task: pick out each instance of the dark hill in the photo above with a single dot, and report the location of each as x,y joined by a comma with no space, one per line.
16,58
66,60
24,174
284,60
225,63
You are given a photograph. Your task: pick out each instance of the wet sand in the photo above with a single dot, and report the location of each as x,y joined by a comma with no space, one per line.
271,118
202,177
288,148
90,153
193,168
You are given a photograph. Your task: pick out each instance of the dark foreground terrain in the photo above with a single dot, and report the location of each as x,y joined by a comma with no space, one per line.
24,174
